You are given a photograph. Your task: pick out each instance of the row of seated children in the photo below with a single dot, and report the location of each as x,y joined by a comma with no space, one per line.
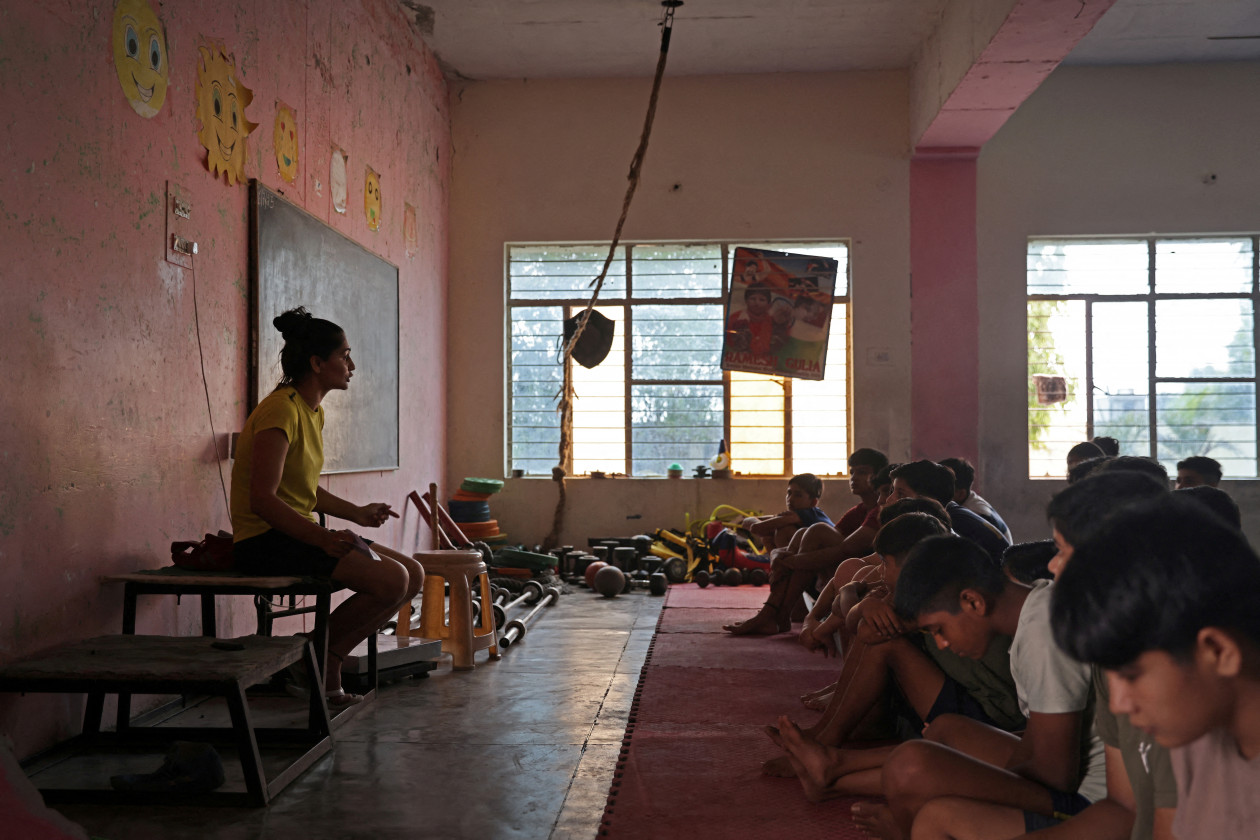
968,778
815,550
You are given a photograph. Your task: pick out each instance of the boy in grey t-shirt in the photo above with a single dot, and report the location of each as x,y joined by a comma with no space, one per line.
1166,598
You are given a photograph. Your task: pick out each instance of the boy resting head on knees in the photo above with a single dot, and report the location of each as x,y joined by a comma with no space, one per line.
972,778
1166,598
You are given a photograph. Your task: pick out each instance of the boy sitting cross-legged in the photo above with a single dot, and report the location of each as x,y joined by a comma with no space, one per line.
1166,599
933,682
952,590
815,551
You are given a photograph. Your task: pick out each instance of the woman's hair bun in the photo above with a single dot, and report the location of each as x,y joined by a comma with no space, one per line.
293,322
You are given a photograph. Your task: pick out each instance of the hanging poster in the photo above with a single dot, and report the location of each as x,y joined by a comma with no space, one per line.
778,315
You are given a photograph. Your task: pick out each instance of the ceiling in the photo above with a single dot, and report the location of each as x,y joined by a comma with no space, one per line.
512,39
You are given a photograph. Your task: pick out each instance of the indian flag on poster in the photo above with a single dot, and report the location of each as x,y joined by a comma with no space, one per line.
778,314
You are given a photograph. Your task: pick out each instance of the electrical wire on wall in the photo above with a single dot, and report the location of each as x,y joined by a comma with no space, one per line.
205,384
558,473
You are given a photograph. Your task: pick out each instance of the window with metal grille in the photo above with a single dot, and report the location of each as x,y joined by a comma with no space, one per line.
660,397
1151,341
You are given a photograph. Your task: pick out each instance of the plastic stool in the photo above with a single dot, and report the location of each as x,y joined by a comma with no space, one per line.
462,570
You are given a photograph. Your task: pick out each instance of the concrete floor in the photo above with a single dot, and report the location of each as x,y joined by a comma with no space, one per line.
520,748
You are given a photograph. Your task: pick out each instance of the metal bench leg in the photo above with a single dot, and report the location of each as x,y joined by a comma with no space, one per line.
209,626
122,719
247,746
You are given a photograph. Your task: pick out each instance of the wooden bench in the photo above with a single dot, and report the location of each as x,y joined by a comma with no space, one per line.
172,580
179,665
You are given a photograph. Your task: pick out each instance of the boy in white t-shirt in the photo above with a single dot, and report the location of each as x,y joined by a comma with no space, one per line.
968,779
1166,598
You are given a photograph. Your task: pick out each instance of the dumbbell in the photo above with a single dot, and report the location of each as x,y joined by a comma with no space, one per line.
732,577
701,577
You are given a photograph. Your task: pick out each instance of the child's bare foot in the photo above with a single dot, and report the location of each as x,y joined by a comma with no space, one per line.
763,623
817,765
875,820
779,767
819,703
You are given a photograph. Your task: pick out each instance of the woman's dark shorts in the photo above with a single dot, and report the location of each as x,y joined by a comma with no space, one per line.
276,553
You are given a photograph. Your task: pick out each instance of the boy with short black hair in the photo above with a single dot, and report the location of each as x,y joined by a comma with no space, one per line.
1197,471
1141,791
950,589
927,478
1166,598
803,493
964,478
935,682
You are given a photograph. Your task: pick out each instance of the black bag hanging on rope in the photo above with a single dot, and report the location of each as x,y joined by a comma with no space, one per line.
596,340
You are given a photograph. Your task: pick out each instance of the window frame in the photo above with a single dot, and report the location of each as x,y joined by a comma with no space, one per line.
572,305
1151,298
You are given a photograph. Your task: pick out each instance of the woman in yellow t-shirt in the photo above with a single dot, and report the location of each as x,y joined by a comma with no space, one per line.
276,494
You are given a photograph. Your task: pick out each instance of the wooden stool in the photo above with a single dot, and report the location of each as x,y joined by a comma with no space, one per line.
462,570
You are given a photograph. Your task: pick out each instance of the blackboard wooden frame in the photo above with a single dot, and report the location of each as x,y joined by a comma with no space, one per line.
298,260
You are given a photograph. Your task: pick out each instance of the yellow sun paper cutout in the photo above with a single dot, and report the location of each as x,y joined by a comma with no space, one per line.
140,56
286,142
221,103
372,199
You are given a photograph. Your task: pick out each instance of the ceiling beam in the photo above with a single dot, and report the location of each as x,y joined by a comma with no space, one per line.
982,61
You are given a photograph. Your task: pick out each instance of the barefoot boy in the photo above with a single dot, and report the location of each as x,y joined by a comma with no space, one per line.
934,682
951,589
1166,598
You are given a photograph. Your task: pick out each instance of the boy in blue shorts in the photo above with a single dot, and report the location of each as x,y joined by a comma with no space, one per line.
1166,598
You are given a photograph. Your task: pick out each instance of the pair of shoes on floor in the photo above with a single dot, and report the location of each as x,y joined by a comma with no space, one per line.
189,767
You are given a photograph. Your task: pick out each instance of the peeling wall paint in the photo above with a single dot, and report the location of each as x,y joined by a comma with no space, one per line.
106,453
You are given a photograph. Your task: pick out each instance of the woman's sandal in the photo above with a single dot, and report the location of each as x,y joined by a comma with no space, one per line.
339,699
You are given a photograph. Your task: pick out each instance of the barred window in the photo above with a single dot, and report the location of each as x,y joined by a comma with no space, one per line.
661,396
1148,340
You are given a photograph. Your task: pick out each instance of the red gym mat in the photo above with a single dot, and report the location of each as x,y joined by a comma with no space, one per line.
678,782
722,650
691,758
717,597
730,696
690,620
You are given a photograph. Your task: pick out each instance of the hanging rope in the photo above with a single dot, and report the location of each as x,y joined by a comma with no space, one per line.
566,395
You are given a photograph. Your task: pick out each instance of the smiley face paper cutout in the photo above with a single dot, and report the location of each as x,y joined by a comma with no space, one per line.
140,56
221,103
372,199
286,142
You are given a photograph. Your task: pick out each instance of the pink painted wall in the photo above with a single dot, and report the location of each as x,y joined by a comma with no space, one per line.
105,445
944,318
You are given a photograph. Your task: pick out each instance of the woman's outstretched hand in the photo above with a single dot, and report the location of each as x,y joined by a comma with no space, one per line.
374,515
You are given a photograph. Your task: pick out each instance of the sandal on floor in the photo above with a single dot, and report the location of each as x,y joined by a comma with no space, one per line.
339,699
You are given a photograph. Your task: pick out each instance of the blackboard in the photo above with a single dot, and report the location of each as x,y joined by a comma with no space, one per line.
297,260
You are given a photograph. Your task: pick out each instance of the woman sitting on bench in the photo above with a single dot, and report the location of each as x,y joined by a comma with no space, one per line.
276,493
